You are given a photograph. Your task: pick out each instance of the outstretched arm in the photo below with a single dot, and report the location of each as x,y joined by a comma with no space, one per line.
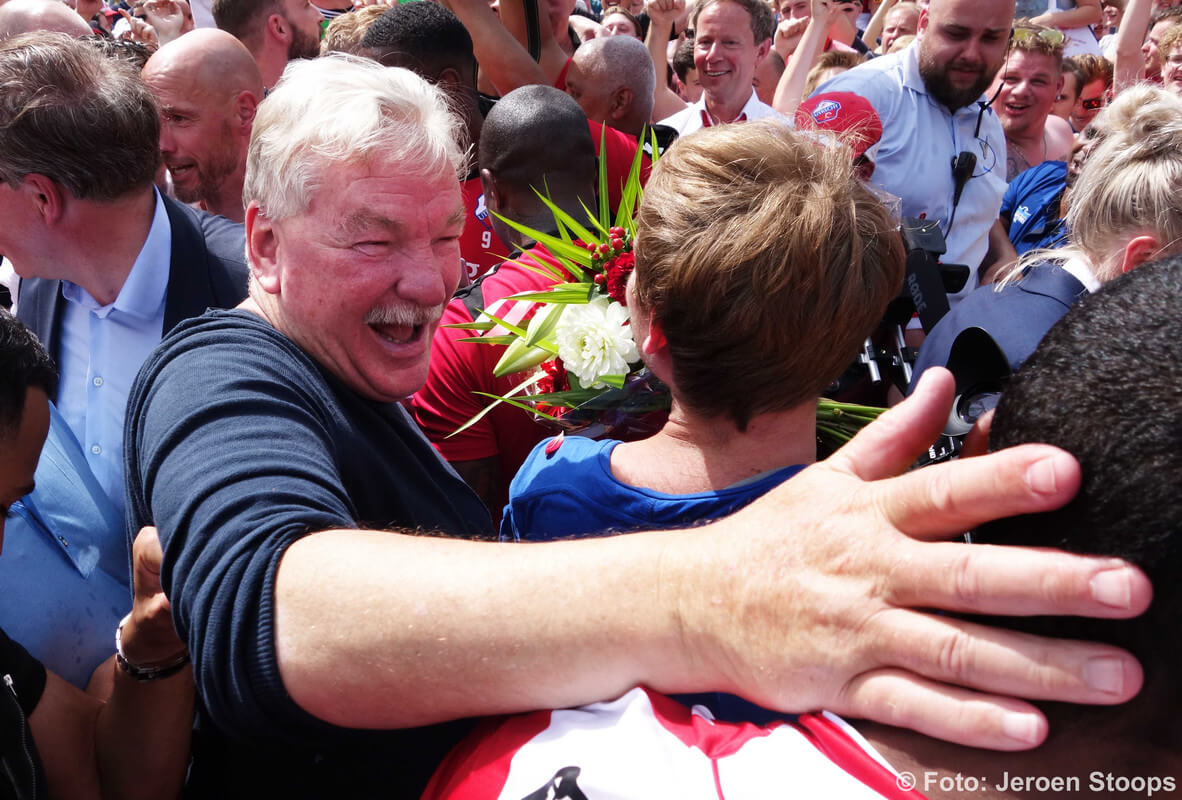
501,57
1086,12
662,15
1129,63
876,23
790,89
552,58
817,595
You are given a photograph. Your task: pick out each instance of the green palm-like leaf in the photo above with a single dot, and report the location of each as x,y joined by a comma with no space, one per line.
567,293
544,323
565,219
559,248
519,356
521,387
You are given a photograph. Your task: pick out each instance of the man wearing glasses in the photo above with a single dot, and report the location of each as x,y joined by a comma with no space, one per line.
943,149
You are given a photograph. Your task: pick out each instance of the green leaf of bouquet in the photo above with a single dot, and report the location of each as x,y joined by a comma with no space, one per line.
604,234
554,244
630,197
525,384
563,218
614,380
507,339
518,404
470,326
519,356
544,323
572,398
566,293
506,325
605,213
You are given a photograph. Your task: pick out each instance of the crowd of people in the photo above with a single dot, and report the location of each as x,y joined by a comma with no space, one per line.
249,246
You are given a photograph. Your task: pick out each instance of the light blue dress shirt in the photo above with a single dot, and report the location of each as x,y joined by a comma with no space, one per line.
920,139
102,349
66,557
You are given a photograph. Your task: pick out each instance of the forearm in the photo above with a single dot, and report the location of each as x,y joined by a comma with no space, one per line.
502,58
790,89
551,58
1129,64
665,101
1078,17
143,735
875,25
843,30
472,628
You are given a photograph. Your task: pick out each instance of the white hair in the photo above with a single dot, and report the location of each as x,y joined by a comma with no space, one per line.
341,109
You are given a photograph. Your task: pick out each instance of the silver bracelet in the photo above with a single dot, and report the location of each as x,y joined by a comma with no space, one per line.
149,673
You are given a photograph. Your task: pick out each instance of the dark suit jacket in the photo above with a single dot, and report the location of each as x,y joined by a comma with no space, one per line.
207,270
1017,317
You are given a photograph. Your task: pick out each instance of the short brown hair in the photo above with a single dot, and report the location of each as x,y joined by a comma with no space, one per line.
765,262
240,18
833,59
344,34
76,115
1093,68
763,19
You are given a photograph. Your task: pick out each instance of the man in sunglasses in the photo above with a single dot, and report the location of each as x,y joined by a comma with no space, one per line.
1024,93
943,149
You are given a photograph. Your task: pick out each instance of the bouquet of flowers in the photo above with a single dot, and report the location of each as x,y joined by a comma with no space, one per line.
583,372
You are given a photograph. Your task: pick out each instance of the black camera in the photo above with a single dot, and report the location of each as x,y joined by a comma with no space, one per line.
886,359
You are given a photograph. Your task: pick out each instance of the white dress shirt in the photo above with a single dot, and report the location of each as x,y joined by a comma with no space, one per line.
696,117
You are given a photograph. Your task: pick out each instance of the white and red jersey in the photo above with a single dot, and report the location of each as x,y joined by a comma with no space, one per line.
645,745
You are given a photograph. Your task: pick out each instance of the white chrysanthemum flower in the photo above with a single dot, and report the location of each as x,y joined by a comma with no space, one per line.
594,340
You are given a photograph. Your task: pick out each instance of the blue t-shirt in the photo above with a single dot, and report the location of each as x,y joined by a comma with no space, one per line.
1032,204
572,493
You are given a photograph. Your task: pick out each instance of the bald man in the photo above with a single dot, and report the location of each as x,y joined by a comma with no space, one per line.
207,86
22,16
612,79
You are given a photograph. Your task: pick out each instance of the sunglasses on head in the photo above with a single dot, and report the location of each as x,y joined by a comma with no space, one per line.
1050,36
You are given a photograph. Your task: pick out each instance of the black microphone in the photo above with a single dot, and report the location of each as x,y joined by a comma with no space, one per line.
962,169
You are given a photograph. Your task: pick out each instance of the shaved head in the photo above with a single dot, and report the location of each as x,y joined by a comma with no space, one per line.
207,86
210,60
612,80
24,16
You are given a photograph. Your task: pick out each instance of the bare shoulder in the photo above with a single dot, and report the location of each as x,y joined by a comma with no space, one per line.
1060,138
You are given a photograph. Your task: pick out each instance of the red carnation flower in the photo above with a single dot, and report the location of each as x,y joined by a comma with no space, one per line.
617,277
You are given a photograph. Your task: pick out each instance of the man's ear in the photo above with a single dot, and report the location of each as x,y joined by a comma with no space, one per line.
1138,251
48,198
245,106
764,48
621,104
262,248
922,25
278,27
493,199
